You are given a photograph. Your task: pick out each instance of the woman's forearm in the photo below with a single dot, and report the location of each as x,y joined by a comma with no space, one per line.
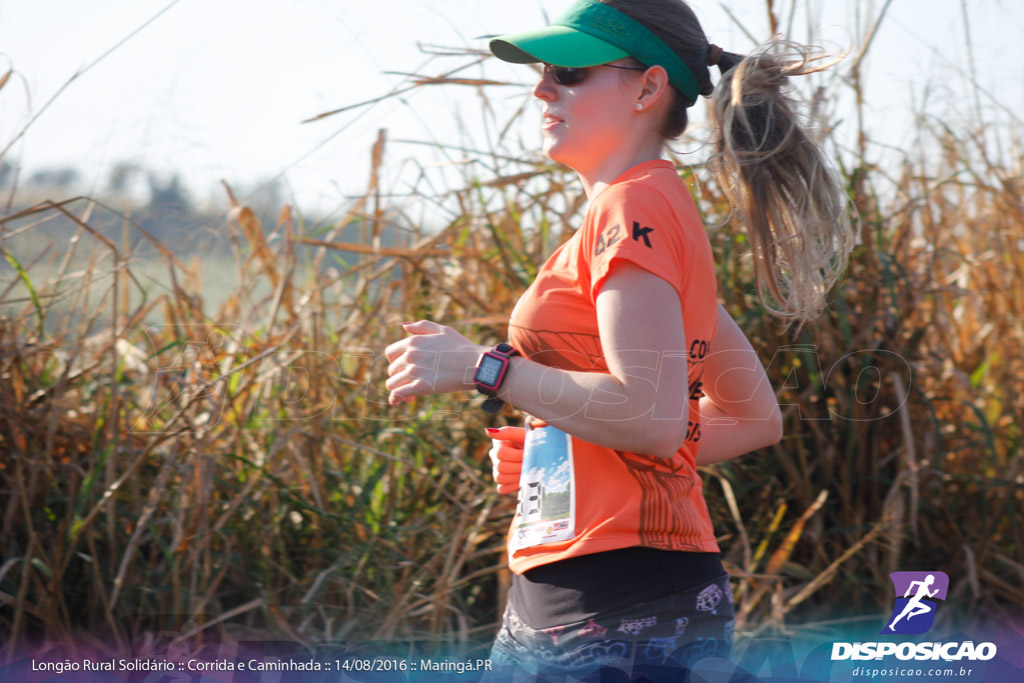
640,404
724,436
597,407
739,412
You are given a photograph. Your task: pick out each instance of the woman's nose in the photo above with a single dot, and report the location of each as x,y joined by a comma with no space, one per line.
544,88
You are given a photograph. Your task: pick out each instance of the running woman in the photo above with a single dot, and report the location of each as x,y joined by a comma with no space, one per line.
629,371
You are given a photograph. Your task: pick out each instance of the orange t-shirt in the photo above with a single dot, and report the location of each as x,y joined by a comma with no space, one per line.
580,498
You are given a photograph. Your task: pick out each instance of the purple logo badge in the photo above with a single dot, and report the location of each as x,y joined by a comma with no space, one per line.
916,596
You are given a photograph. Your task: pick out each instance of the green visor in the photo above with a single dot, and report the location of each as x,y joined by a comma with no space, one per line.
592,33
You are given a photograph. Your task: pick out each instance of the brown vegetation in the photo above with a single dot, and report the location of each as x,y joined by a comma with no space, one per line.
237,465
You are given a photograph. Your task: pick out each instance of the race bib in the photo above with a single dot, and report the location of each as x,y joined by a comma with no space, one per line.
547,495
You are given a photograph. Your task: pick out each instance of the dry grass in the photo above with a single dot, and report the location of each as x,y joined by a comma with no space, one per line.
237,465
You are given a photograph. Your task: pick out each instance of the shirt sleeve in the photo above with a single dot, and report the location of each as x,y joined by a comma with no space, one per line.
634,223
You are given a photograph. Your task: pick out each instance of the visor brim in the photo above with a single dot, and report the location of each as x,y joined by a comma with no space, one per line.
556,45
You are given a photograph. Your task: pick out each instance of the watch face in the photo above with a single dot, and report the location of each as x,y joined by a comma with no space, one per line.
489,370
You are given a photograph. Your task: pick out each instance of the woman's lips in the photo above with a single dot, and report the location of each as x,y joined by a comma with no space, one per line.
550,121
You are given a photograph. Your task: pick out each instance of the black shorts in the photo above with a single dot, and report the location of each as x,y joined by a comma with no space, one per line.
658,639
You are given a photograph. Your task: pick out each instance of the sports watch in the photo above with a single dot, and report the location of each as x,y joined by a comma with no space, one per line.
490,373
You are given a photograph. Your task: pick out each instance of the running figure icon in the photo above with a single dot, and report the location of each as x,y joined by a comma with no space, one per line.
915,606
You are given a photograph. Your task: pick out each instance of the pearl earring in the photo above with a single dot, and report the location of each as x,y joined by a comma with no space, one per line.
639,106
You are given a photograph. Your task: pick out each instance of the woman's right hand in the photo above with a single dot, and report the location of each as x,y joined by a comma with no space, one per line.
507,457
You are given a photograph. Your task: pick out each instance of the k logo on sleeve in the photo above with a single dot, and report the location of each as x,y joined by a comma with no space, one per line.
642,232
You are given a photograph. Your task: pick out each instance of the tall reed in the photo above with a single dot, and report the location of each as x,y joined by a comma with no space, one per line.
170,465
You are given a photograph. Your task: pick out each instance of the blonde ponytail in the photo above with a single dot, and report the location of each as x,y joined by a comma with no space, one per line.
789,198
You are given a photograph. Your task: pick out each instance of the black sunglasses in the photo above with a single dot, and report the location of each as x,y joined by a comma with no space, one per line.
574,75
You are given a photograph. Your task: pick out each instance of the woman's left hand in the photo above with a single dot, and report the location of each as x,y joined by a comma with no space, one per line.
435,359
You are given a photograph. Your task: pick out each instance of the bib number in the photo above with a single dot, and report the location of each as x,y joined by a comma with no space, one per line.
547,492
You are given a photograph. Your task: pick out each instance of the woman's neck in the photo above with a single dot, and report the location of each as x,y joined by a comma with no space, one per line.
596,179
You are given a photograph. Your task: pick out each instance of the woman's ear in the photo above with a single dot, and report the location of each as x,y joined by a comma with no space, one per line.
654,86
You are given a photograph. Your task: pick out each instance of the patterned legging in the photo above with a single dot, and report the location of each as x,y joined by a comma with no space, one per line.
656,641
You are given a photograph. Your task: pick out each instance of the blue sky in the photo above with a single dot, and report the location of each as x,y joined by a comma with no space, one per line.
215,89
